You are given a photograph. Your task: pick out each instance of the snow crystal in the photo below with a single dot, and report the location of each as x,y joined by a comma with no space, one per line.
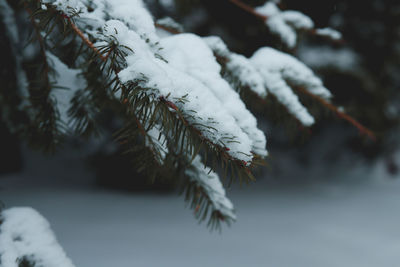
25,233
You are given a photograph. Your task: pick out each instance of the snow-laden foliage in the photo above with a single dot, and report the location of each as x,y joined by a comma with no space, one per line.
207,182
239,67
174,96
270,70
27,240
285,24
288,23
280,72
174,71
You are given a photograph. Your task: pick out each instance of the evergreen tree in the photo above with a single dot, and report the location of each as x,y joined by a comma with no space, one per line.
176,103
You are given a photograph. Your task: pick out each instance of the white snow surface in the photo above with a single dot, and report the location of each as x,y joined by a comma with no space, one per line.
189,53
281,71
132,12
209,181
285,24
25,233
349,219
239,66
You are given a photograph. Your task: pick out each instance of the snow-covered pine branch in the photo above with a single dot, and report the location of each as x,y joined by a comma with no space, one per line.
207,195
175,96
168,90
27,240
171,75
274,72
287,24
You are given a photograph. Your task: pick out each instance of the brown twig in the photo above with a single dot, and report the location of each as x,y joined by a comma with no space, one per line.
249,9
344,116
168,29
85,39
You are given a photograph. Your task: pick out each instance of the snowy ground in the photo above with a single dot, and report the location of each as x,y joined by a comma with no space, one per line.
328,224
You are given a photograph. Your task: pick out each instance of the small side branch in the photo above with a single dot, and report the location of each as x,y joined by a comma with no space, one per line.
85,39
363,130
249,9
264,18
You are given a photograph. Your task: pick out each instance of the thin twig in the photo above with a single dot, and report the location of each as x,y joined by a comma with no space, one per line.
334,109
85,39
249,9
168,29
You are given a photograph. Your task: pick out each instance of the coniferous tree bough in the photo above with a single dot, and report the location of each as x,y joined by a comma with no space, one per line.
174,96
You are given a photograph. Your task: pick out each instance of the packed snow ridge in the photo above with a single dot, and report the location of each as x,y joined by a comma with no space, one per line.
26,236
285,24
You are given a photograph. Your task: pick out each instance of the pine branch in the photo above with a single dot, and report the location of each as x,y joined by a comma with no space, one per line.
44,129
362,129
263,18
223,56
174,110
249,9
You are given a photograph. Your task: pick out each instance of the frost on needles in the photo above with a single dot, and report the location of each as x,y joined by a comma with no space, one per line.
178,95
